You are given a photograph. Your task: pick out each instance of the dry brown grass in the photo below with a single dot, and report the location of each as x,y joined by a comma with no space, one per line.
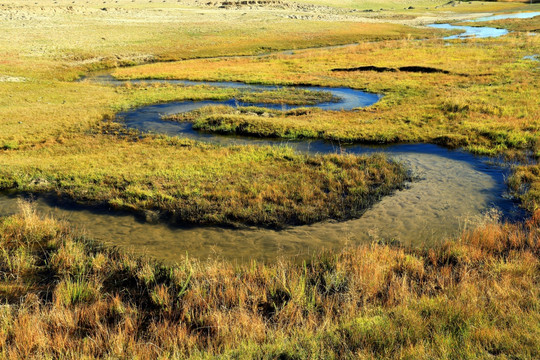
474,297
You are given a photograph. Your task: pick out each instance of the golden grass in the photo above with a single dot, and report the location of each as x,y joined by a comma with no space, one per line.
48,127
34,42
475,297
211,184
64,296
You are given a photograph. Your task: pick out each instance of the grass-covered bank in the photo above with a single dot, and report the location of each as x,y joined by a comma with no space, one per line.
66,297
528,25
188,182
53,139
41,113
485,99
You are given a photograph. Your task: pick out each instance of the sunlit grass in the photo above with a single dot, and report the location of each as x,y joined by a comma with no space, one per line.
64,296
211,184
471,298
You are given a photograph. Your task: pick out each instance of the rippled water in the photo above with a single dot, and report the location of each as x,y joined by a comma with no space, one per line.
454,188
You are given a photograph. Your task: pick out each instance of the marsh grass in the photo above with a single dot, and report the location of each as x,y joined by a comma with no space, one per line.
64,296
48,140
60,143
487,103
267,186
472,297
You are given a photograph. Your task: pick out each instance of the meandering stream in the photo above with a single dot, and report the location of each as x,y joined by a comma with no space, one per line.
453,190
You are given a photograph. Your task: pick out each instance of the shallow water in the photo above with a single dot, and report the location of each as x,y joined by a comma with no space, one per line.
470,31
453,190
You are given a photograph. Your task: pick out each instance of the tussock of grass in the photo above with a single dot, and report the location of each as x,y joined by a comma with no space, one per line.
525,183
475,297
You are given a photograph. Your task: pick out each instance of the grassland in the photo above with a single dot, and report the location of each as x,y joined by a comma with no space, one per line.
51,138
64,296
178,180
210,185
487,103
34,44
404,6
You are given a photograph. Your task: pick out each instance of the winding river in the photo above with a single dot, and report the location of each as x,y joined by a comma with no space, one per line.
453,190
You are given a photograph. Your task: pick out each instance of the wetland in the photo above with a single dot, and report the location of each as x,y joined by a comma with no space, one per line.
269,180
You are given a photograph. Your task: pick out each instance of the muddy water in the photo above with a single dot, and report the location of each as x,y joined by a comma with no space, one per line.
453,190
